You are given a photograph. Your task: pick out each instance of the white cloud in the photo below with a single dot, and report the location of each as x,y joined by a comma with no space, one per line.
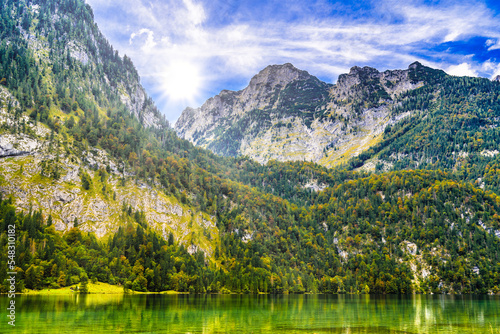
195,12
491,67
447,22
149,43
463,69
493,44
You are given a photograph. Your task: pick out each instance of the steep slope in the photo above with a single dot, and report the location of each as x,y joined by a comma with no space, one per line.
297,117
232,122
72,111
59,55
456,129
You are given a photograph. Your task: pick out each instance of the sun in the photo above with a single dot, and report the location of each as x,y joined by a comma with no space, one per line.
181,81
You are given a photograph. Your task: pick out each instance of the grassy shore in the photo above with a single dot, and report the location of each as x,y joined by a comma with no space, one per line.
97,288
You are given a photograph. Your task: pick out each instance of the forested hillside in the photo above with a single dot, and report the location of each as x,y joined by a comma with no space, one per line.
52,53
99,188
456,128
393,233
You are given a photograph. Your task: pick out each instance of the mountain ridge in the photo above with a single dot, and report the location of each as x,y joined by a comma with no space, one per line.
55,123
303,120
228,105
63,38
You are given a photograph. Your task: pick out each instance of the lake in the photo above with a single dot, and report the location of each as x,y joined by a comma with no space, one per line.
253,314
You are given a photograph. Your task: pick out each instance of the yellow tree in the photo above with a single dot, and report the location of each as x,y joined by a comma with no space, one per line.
132,158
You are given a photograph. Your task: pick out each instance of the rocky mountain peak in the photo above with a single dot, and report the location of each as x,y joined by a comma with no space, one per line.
285,113
356,76
364,71
415,65
274,75
497,78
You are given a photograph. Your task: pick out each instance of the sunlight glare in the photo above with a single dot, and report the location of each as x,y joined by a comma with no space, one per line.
181,81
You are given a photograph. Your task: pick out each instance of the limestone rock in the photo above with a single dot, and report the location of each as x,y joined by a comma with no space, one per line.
62,196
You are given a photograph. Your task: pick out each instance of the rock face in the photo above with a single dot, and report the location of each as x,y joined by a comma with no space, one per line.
96,210
27,161
287,114
138,102
363,82
226,122
9,151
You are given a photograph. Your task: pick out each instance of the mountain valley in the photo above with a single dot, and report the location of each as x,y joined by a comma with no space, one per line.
385,182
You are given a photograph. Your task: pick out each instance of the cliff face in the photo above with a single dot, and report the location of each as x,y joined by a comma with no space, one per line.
287,114
229,119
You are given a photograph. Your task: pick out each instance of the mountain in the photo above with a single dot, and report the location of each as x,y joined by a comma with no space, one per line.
286,114
72,109
454,126
399,119
231,123
60,54
95,185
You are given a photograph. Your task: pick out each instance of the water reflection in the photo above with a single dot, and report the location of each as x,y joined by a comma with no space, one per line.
256,314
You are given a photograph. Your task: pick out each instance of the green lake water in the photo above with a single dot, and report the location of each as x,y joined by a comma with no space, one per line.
253,314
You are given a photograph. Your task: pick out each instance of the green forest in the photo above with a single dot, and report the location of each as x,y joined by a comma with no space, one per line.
426,225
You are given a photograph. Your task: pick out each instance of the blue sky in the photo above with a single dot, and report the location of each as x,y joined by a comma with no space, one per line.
189,50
